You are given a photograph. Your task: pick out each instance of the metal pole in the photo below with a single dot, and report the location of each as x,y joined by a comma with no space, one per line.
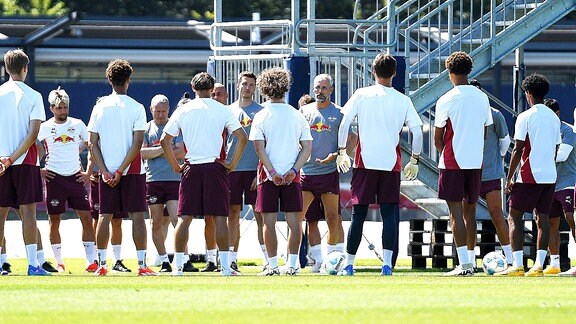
391,28
295,17
519,104
311,14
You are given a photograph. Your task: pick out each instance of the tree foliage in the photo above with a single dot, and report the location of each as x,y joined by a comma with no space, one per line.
33,7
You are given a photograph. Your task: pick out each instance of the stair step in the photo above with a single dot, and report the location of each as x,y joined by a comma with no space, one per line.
416,190
434,206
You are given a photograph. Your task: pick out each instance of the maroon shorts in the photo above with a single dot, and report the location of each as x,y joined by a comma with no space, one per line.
95,203
315,212
563,202
271,196
240,183
204,190
490,185
457,185
62,189
319,184
129,195
526,197
20,185
375,186
161,192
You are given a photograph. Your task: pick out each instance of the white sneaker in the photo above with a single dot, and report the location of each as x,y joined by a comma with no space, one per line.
155,262
291,271
316,267
568,273
461,271
229,273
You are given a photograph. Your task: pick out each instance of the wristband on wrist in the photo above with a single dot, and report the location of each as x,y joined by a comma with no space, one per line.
295,172
272,172
119,172
414,160
10,161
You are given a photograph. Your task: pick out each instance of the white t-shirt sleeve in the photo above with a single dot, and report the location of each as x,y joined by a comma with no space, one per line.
38,109
140,123
521,128
232,122
488,115
83,131
441,114
350,110
305,134
172,127
256,132
412,117
44,132
94,122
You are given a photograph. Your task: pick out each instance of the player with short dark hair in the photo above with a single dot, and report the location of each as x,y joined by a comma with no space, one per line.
381,112
243,179
563,203
204,189
537,135
22,113
462,115
496,144
116,127
282,140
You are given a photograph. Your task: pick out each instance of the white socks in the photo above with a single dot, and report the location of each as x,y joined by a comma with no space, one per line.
57,249
316,251
462,253
117,252
32,255
179,261
350,259
540,257
141,255
40,256
101,257
518,258
90,249
211,255
508,253
387,257
472,257
264,254
554,261
293,261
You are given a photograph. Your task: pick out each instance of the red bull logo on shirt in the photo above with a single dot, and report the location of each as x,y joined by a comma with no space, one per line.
64,139
246,122
320,127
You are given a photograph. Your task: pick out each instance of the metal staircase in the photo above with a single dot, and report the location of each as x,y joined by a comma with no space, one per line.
424,32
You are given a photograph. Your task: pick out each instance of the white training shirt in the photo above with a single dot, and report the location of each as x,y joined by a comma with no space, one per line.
19,104
115,118
464,111
62,144
539,128
282,127
382,112
204,123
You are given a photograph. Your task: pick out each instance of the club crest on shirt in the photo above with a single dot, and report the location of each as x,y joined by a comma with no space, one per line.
152,199
332,119
96,206
320,127
54,202
71,129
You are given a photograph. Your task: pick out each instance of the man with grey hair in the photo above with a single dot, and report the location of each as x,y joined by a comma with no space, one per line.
320,179
63,138
162,182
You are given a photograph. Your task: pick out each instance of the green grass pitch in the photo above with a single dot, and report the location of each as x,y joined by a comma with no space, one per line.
407,297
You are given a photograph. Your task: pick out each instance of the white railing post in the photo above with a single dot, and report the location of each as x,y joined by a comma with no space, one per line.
295,17
311,15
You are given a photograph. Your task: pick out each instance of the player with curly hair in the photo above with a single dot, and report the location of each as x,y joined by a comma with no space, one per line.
283,143
116,127
462,115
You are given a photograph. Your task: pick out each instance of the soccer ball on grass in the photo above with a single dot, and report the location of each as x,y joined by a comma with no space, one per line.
494,262
333,263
